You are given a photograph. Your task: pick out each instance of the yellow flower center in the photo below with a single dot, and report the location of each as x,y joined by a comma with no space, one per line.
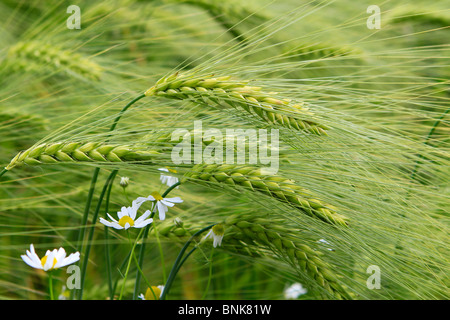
124,220
44,261
157,196
172,170
152,294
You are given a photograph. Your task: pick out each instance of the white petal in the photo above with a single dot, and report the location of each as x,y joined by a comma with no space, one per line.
105,222
33,256
133,212
162,209
143,223
136,204
167,203
73,257
30,262
123,212
143,217
49,262
174,200
109,216
60,256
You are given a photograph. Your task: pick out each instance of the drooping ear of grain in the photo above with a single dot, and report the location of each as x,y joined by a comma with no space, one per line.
259,236
275,186
225,92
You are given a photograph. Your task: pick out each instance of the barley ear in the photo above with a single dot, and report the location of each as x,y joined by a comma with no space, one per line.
74,152
226,92
274,186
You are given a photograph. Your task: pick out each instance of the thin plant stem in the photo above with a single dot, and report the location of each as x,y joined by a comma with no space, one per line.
179,262
107,248
161,254
122,265
129,262
92,229
95,175
3,172
50,285
142,249
87,208
84,219
209,276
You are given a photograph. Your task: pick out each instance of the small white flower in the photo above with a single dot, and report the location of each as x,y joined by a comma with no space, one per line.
162,204
124,181
52,260
216,232
168,179
151,293
127,217
294,291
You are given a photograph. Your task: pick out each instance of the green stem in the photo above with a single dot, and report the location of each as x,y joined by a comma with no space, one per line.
161,254
122,265
107,248
3,172
142,249
86,209
210,275
123,111
178,262
95,176
129,262
91,231
50,285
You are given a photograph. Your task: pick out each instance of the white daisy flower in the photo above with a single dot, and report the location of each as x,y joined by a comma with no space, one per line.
150,294
52,260
168,179
127,219
294,291
216,232
162,204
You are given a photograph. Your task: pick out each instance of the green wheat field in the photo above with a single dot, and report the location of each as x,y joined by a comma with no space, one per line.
358,123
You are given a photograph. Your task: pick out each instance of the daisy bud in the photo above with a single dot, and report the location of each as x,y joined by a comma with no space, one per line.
178,222
124,181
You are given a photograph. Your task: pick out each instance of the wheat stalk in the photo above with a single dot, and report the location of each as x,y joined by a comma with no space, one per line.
78,152
225,92
274,186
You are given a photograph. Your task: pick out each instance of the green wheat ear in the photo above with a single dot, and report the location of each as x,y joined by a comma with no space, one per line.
35,55
226,92
73,152
254,231
275,186
259,236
